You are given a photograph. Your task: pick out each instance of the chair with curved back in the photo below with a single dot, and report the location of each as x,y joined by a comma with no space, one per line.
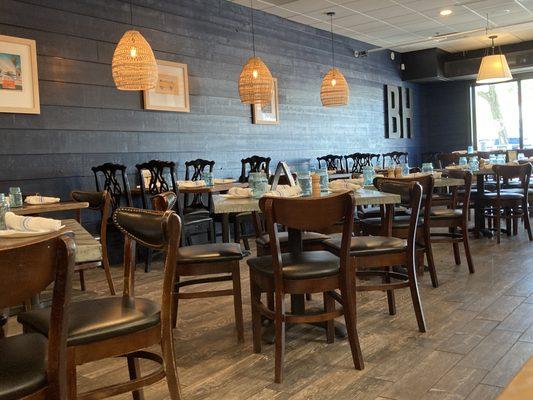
300,272
117,187
360,160
124,326
331,162
446,159
32,367
254,164
206,263
194,170
101,202
395,157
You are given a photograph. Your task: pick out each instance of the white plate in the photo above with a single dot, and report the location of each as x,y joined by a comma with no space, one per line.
11,233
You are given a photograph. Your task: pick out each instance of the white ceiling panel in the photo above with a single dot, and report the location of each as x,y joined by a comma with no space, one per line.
407,25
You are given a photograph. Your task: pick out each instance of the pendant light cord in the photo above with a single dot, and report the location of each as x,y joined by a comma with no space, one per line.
253,33
332,44
131,13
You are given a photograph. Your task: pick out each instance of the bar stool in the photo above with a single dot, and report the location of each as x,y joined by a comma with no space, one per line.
219,259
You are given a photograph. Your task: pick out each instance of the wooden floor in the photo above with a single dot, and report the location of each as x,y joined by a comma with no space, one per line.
480,333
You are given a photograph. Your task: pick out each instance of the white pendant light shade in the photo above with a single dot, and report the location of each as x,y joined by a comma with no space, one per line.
494,69
255,82
134,66
334,91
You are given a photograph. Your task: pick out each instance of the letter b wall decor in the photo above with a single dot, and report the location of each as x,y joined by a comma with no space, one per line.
398,112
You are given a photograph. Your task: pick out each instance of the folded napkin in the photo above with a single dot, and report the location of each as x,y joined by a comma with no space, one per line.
350,184
191,184
223,180
41,200
457,166
240,192
285,191
31,224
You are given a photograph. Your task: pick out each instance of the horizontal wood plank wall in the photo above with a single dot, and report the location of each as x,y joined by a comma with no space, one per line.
85,121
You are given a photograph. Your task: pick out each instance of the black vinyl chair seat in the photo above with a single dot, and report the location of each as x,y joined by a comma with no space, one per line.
369,245
307,265
307,237
399,221
445,213
99,319
504,196
22,365
212,252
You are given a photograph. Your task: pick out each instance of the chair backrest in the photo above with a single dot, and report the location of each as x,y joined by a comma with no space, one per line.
464,198
164,201
360,160
118,187
254,164
331,162
410,193
155,230
29,266
446,159
430,157
308,214
396,157
427,182
504,173
161,177
193,172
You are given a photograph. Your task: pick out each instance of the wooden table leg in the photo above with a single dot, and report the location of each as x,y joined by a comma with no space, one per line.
225,228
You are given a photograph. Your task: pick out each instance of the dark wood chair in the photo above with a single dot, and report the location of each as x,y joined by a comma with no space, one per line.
455,218
208,263
396,157
511,205
446,159
101,202
162,178
32,367
401,223
254,164
124,326
118,187
300,272
355,162
431,157
194,171
331,162
375,256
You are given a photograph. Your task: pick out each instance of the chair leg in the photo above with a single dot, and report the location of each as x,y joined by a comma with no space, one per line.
82,279
148,263
169,362
279,326
237,302
390,293
134,368
256,317
72,379
497,225
237,232
429,256
108,276
415,297
349,306
329,306
456,253
527,223
508,222
466,244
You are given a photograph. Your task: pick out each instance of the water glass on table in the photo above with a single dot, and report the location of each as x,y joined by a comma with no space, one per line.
324,179
15,197
4,207
260,185
368,175
427,168
208,178
304,180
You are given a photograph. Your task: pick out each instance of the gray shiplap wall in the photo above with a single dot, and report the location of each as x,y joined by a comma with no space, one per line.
85,121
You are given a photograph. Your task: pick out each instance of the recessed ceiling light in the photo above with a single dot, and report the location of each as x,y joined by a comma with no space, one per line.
446,12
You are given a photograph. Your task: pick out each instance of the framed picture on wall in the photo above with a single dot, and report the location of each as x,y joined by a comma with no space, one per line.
19,82
172,90
269,113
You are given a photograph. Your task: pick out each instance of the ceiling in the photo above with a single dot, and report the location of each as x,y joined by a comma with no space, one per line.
407,25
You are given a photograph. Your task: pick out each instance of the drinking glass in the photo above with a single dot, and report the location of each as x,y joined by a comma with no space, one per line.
304,180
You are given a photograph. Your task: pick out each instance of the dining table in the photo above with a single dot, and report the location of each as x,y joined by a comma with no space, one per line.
38,209
225,205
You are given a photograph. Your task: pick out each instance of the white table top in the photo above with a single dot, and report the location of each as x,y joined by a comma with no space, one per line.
363,197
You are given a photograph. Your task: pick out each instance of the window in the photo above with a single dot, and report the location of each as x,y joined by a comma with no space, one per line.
498,109
527,112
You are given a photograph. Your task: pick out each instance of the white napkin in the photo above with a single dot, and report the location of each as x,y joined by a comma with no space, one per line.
457,167
240,192
349,184
223,180
32,224
285,191
191,184
41,200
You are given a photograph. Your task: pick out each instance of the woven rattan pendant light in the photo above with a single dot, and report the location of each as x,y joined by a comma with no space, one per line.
334,91
134,66
255,81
